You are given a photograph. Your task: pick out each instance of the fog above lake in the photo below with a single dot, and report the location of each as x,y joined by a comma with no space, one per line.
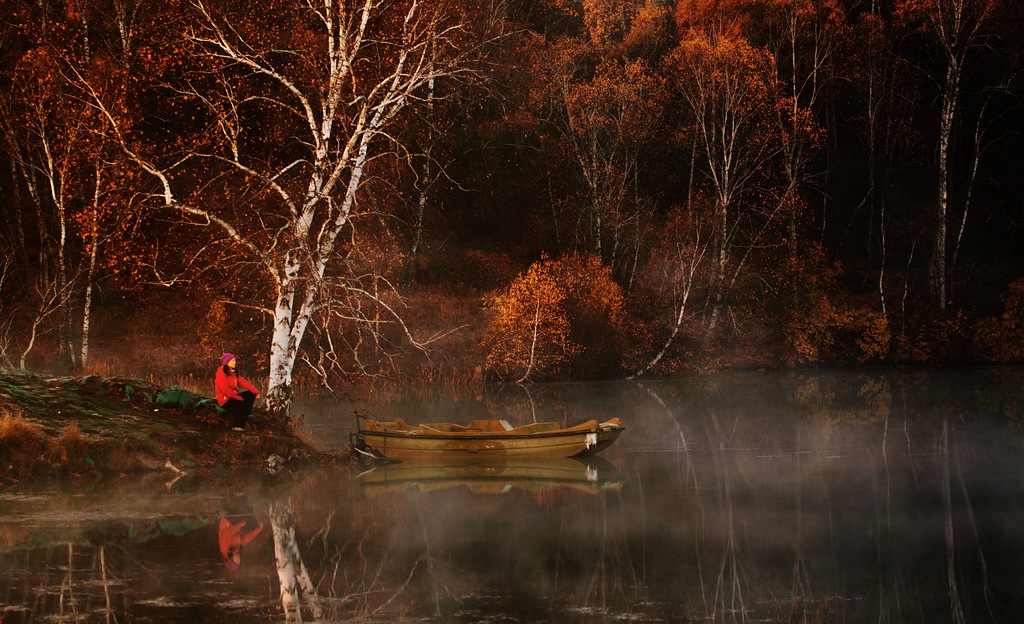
845,496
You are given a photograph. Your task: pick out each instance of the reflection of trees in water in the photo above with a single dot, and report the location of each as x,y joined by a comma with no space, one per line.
951,467
812,484
362,564
955,606
729,586
63,581
814,499
292,574
613,579
68,606
438,554
958,569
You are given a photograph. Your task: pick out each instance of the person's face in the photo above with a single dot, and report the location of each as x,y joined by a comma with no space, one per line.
231,363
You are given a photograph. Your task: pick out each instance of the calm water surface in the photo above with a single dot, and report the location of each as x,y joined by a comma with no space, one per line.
881,496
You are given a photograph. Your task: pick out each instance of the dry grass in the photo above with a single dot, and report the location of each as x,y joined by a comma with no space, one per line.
21,442
69,446
17,430
118,458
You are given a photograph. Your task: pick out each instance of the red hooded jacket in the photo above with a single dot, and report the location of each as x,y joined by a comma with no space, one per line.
227,386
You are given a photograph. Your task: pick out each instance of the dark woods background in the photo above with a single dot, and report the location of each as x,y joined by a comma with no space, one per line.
595,188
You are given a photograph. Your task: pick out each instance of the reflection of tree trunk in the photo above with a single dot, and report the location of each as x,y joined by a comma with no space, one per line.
955,606
801,588
533,405
974,528
597,592
883,535
428,555
291,571
728,596
689,474
109,609
67,586
728,586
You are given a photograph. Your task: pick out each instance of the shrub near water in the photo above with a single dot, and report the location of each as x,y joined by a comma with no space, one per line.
561,319
20,440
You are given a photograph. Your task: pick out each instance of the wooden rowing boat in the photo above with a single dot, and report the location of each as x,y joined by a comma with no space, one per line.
484,439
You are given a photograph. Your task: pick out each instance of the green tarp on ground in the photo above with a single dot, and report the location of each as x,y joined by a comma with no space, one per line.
179,398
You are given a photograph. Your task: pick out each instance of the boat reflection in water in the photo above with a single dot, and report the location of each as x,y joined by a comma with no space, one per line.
590,475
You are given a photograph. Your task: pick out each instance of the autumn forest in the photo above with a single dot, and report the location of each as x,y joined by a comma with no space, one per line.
342,191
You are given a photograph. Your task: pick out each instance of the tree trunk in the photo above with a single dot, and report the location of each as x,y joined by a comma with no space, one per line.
94,252
283,350
939,269
87,304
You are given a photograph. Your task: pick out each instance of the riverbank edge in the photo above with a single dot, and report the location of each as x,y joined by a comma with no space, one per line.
93,426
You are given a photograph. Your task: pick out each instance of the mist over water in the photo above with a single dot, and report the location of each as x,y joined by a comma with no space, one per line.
845,496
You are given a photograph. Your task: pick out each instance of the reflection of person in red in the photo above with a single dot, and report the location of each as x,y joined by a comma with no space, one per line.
232,539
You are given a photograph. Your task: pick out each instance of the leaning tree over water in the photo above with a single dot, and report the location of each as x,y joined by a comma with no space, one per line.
278,113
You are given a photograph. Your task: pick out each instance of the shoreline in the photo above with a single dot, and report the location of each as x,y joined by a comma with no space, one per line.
93,426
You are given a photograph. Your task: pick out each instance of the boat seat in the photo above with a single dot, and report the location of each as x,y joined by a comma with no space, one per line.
441,428
489,425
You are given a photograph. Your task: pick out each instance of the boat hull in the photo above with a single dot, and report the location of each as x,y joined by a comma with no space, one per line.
401,442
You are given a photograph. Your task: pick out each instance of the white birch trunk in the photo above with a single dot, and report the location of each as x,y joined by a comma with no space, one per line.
87,304
91,275
949,98
688,272
958,25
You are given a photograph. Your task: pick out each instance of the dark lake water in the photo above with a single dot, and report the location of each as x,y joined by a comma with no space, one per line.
878,496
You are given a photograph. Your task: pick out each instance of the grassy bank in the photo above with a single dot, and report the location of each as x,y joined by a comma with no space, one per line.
96,426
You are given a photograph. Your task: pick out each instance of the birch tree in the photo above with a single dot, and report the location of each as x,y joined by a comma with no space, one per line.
728,88
602,119
602,109
959,28
529,337
608,120
280,111
49,138
802,38
678,271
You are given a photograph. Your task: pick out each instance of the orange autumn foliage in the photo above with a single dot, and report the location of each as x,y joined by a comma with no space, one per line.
1001,339
821,327
529,336
561,317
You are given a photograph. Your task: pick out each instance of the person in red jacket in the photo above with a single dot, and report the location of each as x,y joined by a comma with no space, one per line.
232,539
238,404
